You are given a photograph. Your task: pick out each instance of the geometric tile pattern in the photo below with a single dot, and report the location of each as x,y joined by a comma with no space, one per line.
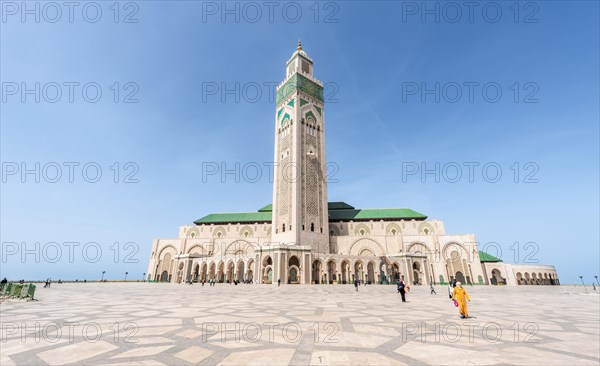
171,324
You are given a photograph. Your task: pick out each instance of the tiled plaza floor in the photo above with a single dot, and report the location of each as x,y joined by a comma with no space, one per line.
155,324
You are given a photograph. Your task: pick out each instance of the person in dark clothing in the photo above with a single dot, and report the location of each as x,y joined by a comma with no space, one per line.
433,290
356,284
4,281
402,290
278,282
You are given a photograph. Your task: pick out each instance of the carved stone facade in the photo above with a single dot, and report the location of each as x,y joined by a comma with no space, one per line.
304,239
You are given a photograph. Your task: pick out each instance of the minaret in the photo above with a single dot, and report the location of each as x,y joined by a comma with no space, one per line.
300,213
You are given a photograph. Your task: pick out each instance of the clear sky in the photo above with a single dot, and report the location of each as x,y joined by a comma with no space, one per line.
384,64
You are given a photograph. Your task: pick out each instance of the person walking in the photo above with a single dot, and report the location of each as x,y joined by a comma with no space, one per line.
356,284
461,297
432,290
278,282
450,290
402,290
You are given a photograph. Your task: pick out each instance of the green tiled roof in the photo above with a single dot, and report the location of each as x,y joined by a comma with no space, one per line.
267,208
375,214
339,206
337,212
484,257
222,218
330,206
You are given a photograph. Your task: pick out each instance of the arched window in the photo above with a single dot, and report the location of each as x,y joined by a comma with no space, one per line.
426,231
192,235
362,231
283,228
312,227
219,235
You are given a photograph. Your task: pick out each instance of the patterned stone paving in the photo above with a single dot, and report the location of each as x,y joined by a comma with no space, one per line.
168,324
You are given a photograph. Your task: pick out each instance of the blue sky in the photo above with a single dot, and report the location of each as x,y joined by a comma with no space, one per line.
370,54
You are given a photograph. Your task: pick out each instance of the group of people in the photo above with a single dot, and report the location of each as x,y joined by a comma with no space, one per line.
212,282
456,292
358,282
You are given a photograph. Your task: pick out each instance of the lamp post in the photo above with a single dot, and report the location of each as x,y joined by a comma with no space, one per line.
126,273
103,272
586,290
144,277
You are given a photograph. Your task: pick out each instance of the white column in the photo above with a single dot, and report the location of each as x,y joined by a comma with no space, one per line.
257,277
186,270
282,268
307,269
174,269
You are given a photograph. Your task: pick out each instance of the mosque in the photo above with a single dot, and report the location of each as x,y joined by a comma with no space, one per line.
301,238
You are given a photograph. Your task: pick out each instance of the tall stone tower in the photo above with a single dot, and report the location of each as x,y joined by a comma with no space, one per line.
300,214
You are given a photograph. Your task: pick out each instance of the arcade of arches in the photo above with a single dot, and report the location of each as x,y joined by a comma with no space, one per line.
300,265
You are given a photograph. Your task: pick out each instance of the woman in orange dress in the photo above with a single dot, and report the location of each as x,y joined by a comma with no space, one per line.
460,296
